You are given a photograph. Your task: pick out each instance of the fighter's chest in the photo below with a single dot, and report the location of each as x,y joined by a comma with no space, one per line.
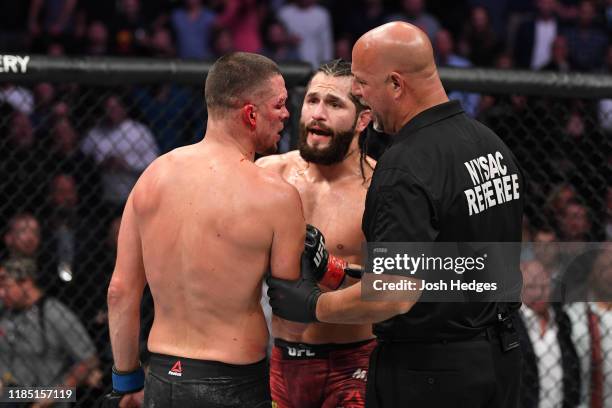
337,212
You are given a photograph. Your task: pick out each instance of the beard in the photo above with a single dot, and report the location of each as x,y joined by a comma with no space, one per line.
334,152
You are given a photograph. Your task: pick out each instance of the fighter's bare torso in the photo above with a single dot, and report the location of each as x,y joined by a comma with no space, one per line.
206,224
335,207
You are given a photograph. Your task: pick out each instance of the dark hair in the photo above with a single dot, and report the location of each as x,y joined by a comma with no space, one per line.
234,76
342,68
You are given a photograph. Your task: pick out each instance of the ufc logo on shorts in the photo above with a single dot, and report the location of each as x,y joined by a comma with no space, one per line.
319,255
295,352
360,374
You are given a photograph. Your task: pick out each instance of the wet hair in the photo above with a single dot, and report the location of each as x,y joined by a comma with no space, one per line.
342,68
234,78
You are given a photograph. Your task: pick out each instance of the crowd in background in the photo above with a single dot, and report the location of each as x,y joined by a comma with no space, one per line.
69,154
560,35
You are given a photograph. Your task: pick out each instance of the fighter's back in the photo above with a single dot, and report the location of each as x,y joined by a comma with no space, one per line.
206,233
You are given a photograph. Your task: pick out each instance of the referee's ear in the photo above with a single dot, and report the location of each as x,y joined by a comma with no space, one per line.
363,120
397,83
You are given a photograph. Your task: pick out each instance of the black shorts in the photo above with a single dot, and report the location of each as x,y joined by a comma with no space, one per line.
184,382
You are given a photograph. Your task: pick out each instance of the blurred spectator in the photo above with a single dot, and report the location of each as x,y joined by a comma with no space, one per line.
560,196
587,42
18,97
551,374
44,97
242,19
343,48
534,37
69,236
546,250
43,343
222,42
129,29
65,157
605,105
591,328
502,61
311,26
22,174
446,57
479,41
161,44
568,9
55,49
122,147
22,237
498,13
58,17
277,44
367,15
97,43
560,52
192,25
413,12
575,222
169,111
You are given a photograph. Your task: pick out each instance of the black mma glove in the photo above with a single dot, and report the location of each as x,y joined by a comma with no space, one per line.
296,300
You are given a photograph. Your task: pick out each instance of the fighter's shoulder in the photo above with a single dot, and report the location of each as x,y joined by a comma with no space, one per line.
276,192
152,178
158,167
279,163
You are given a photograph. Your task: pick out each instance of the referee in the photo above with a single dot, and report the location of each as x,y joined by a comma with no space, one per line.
439,181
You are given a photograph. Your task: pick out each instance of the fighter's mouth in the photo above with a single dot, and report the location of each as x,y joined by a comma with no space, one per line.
320,132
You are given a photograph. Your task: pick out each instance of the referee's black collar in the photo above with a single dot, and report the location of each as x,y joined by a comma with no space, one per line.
428,117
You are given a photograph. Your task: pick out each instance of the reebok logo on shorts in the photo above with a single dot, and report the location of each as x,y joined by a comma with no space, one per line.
176,369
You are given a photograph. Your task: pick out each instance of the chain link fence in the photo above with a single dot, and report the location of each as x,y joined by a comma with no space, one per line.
76,133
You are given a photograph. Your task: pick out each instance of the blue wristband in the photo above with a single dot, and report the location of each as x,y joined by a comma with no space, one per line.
126,383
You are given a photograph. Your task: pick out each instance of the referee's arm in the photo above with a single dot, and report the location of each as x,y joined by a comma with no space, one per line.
345,306
402,212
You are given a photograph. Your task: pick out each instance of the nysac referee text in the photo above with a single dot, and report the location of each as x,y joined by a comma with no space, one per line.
492,183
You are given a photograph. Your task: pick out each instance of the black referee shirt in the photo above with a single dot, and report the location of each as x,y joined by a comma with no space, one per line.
434,184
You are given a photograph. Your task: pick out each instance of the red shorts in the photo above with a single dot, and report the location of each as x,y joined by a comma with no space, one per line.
319,376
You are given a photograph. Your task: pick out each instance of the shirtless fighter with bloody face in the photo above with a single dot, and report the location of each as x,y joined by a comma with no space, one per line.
201,228
326,365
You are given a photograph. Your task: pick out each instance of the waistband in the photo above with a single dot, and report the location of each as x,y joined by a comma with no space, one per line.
305,351
182,368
